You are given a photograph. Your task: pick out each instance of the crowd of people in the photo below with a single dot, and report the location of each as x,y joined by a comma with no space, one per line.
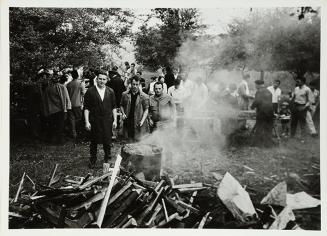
104,100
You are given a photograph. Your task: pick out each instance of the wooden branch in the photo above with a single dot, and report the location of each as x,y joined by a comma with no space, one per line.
106,198
19,188
53,175
195,185
165,209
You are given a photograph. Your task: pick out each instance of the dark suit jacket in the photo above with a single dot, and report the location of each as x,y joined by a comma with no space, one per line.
169,80
263,103
101,116
117,85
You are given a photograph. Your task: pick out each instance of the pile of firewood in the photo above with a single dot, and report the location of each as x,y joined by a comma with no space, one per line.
118,199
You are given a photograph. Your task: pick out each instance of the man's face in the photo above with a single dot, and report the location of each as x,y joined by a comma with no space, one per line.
158,89
175,71
276,84
101,80
135,86
133,66
299,82
138,74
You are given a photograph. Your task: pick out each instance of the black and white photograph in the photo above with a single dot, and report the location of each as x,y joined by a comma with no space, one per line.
164,117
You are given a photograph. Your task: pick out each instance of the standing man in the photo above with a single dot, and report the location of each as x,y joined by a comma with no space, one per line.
100,116
244,93
170,77
301,105
276,93
162,111
116,84
142,81
134,107
57,103
265,115
76,90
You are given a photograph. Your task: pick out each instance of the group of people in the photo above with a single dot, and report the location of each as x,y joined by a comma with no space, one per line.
291,108
105,99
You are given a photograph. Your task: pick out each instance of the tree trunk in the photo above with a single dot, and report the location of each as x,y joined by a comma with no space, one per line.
262,75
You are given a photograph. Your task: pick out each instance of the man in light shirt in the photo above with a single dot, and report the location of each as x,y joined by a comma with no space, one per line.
178,94
301,100
244,93
100,116
276,93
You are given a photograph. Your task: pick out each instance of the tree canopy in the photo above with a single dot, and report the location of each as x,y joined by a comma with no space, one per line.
62,36
158,45
272,40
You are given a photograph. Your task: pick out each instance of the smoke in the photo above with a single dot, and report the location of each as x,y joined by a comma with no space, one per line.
197,136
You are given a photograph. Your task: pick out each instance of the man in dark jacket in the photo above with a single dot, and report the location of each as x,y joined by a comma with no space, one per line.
116,84
171,76
265,115
100,116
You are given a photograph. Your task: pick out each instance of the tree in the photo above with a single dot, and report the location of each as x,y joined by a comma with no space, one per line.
272,40
158,45
62,36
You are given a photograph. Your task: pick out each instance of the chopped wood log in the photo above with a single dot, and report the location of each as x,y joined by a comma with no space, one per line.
182,186
164,222
119,193
159,185
129,223
203,221
53,175
181,210
155,213
165,209
187,206
19,188
93,181
53,217
150,208
124,221
185,190
192,197
124,205
106,198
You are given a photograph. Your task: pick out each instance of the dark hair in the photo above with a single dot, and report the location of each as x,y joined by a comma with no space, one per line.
135,78
115,68
277,80
140,72
102,72
302,78
259,82
133,64
126,63
74,74
177,82
158,83
63,79
153,77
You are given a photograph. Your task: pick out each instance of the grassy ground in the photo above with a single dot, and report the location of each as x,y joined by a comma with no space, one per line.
256,168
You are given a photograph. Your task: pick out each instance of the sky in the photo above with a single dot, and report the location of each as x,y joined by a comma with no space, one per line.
217,19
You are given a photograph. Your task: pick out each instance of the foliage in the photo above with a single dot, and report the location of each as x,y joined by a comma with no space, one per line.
62,36
272,40
158,45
